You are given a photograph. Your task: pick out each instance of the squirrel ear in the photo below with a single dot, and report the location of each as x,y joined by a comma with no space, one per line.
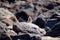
29,19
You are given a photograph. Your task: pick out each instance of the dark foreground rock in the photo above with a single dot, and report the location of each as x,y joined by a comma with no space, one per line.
55,32
25,37
40,22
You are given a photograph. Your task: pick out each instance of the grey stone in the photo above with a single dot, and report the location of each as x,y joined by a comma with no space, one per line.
29,28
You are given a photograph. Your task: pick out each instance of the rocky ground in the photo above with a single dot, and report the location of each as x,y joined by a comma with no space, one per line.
29,19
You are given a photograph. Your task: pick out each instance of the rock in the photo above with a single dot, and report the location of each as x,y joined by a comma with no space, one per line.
3,27
30,12
7,17
51,22
54,16
25,37
5,13
21,37
29,28
47,15
20,3
23,4
3,34
56,1
32,15
57,25
44,10
11,1
23,15
11,32
49,5
27,6
21,20
35,38
50,38
55,31
40,22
